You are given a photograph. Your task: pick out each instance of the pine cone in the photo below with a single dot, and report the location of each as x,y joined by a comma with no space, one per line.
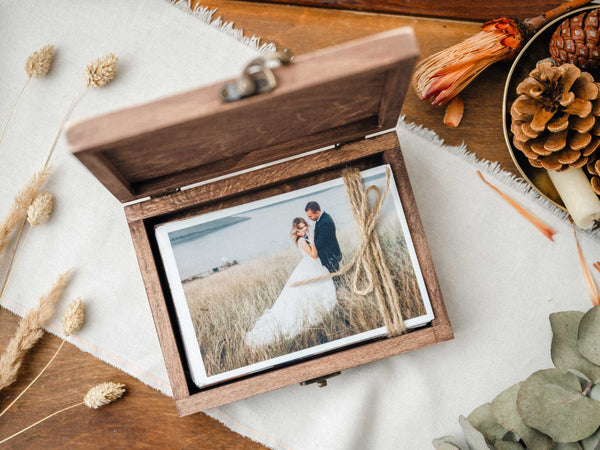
554,117
577,41
593,168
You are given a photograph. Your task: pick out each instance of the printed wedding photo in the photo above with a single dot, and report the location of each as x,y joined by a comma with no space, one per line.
254,285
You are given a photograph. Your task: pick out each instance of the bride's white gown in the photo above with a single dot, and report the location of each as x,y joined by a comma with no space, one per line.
296,308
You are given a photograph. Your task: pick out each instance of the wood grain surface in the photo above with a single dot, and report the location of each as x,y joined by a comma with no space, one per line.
146,418
456,9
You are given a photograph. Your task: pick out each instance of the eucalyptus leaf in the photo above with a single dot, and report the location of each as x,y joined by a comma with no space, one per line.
588,336
583,380
504,409
446,443
565,446
595,392
592,442
565,354
508,445
551,402
510,436
474,438
446,446
483,420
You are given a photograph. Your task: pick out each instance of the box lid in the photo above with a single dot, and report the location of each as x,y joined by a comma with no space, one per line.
326,97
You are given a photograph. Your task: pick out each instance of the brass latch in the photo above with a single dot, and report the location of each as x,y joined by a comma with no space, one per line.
257,77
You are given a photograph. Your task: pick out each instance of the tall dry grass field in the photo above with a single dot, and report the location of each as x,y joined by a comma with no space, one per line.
226,305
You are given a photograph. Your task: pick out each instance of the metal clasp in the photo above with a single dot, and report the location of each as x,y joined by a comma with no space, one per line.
320,381
256,78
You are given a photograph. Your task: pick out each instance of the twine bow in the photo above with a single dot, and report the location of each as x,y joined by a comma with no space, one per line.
368,264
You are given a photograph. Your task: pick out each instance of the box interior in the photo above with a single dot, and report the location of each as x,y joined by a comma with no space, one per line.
244,197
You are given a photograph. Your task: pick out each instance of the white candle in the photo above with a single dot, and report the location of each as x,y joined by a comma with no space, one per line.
578,196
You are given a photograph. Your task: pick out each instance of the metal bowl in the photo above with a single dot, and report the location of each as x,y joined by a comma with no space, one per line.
535,50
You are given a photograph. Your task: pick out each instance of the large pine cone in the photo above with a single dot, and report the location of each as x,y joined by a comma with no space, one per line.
593,168
577,41
554,117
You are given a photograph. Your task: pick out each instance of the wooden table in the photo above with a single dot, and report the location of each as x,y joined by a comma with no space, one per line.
146,418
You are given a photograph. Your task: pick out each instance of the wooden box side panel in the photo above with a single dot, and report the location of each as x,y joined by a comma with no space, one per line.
160,313
273,180
313,368
409,204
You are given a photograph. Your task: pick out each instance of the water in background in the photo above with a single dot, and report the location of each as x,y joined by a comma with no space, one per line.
257,232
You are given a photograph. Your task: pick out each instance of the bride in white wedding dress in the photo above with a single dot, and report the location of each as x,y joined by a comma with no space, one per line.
300,307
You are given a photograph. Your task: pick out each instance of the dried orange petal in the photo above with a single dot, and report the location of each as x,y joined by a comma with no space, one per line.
454,112
542,226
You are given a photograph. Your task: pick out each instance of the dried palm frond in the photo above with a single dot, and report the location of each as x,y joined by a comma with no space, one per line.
441,76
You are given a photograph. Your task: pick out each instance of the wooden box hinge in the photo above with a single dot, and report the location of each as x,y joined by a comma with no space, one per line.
321,381
341,144
164,193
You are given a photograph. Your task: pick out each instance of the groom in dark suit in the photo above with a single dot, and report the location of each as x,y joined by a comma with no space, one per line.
326,241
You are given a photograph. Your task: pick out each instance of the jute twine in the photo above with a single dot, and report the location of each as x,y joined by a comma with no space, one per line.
370,271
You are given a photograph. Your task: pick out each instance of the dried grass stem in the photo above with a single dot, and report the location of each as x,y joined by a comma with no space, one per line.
62,123
98,396
12,110
35,379
72,321
13,258
39,421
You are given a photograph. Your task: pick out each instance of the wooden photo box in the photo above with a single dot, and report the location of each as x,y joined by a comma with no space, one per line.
193,153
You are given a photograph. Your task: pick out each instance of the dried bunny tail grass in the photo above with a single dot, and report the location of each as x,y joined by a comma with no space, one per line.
18,209
73,317
98,396
20,205
101,71
40,209
38,64
26,196
38,212
72,322
29,331
103,394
